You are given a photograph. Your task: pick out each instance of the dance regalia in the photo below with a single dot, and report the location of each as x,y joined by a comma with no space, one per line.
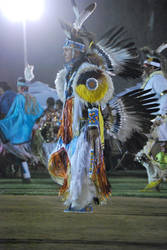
157,83
85,87
85,163
18,124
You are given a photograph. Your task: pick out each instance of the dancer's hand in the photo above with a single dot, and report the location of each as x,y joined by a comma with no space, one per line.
92,134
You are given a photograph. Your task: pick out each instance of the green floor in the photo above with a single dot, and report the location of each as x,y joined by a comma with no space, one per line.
130,186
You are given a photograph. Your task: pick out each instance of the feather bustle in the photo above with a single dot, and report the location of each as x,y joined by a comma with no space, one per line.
132,118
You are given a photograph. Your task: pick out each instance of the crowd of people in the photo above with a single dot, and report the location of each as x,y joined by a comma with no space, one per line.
69,136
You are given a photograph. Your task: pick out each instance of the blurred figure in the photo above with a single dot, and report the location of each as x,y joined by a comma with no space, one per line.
51,120
16,128
154,78
45,137
6,98
59,107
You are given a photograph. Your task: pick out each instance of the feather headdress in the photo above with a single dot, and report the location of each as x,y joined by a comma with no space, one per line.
118,52
77,36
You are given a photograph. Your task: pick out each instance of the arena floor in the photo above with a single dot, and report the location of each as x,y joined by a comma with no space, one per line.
38,222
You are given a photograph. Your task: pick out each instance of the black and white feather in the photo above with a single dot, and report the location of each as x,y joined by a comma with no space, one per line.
131,118
119,53
77,31
83,16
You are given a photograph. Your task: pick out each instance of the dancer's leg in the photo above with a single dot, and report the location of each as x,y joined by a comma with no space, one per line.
26,172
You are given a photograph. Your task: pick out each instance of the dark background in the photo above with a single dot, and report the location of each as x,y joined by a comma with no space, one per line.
145,21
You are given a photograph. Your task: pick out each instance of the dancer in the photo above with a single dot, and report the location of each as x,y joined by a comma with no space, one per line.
7,96
16,128
155,78
85,87
50,122
48,129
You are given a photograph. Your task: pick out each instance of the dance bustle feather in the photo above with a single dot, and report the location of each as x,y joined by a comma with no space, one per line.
119,53
132,116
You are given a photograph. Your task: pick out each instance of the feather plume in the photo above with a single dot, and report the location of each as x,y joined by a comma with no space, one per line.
75,9
83,16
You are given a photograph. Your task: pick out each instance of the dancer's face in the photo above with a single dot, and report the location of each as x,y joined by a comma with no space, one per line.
22,89
67,54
